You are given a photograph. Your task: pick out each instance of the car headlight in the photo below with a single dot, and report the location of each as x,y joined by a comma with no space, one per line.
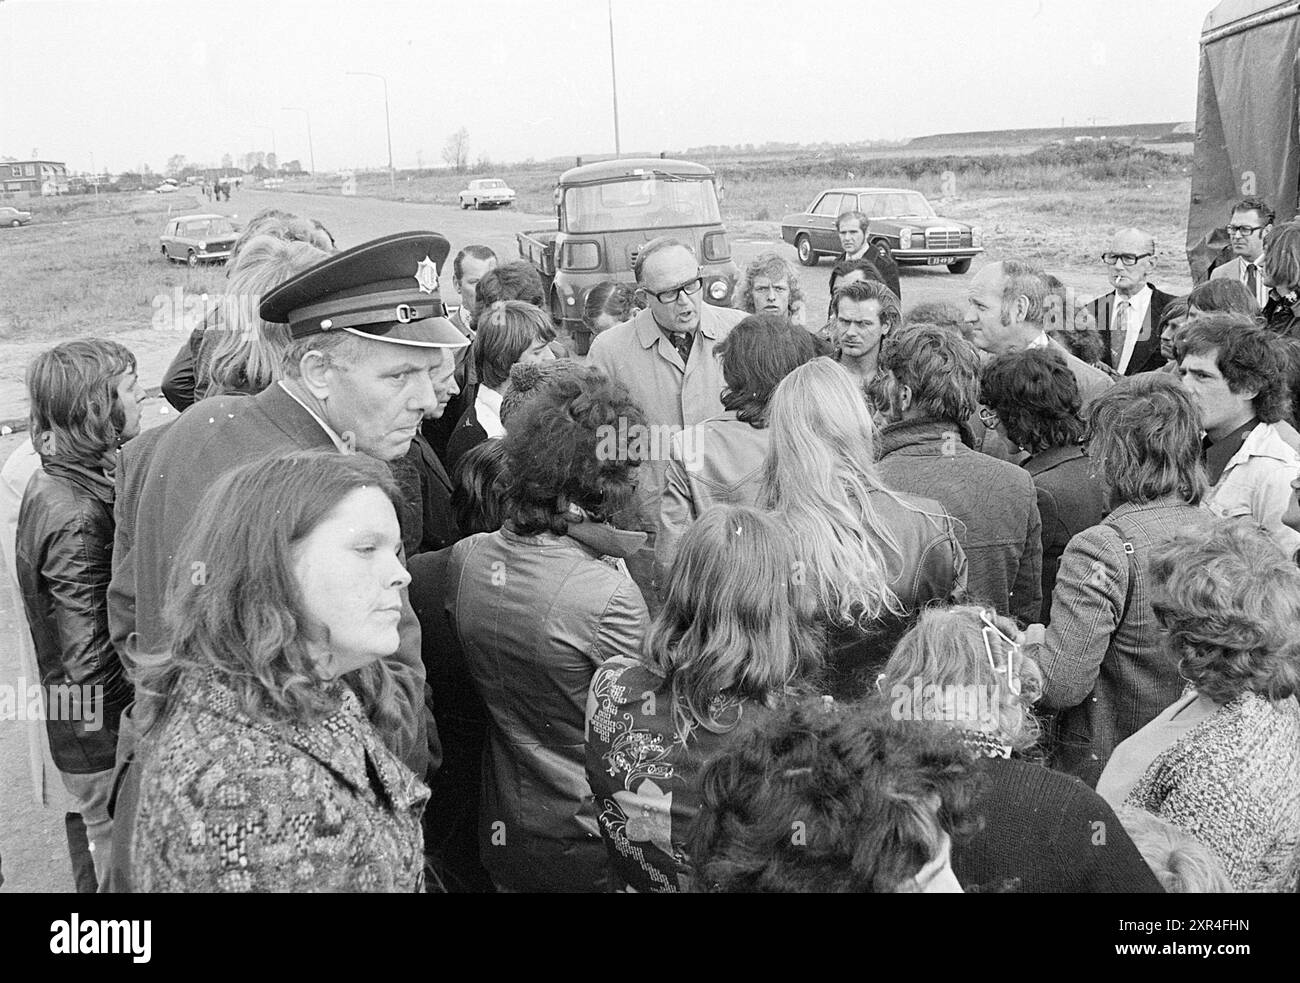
718,289
905,238
203,247
976,236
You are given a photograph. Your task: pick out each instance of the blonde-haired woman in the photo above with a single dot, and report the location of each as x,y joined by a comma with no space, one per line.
733,636
1042,831
871,557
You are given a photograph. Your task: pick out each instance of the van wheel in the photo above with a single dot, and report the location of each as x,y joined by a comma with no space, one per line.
463,207
806,255
961,266
192,259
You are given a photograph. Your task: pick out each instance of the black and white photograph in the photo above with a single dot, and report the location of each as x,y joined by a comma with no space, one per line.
650,446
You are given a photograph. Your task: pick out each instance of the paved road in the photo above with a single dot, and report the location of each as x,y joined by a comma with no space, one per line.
31,841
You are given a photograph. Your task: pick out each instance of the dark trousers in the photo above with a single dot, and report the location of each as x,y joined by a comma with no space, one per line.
83,865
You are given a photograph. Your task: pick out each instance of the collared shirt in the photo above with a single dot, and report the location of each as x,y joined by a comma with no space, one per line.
338,441
1261,289
1218,453
1138,305
487,409
1042,341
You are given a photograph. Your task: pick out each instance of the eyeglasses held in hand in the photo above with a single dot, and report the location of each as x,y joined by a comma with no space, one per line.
1128,259
669,296
991,634
989,418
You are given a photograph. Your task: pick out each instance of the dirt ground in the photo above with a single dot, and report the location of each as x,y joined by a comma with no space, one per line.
1064,230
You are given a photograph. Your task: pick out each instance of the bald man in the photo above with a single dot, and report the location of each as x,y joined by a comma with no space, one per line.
1128,317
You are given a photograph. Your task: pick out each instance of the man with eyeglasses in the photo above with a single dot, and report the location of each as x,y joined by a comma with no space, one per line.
1248,231
1128,316
664,355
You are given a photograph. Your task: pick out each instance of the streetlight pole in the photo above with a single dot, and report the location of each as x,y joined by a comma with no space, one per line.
311,152
613,74
392,174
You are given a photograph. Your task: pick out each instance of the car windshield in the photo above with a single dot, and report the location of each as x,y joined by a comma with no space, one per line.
491,184
209,227
895,203
649,201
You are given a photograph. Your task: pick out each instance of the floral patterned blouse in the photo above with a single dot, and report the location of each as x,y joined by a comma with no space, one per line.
643,776
232,804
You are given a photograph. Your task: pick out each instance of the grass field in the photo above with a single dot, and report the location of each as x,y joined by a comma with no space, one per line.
92,265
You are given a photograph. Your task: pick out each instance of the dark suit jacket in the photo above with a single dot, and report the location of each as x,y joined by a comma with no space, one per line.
884,262
1146,355
208,440
1070,500
469,433
438,525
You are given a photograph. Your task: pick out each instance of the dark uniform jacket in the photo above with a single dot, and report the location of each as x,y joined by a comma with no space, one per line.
211,438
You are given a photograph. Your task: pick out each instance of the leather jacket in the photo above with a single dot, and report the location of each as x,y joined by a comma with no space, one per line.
535,616
719,461
64,556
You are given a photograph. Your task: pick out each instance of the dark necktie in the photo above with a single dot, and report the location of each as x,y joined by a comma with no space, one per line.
682,341
1252,282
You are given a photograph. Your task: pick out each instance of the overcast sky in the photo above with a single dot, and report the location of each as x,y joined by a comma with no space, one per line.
133,82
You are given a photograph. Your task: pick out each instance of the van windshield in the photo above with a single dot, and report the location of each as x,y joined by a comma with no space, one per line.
648,202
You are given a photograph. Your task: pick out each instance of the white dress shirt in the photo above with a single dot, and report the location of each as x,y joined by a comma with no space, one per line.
487,409
339,442
1261,291
1138,305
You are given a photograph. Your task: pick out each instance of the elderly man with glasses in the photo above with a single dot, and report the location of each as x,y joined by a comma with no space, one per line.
664,355
1128,316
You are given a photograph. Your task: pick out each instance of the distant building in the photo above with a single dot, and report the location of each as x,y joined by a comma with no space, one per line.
34,177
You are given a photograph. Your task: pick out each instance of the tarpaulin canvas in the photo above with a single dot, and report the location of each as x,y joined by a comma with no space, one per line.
1247,126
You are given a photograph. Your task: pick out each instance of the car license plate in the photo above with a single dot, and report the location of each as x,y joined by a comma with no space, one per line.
941,260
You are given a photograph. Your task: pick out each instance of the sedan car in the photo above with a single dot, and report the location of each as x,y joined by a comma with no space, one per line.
13,218
899,219
488,192
196,239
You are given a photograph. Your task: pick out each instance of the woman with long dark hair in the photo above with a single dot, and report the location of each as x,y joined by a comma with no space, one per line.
259,770
734,635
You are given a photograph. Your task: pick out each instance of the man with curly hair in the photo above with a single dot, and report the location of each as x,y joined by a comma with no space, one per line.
1237,375
771,286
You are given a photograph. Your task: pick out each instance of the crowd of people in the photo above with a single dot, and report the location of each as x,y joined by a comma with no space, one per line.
1001,599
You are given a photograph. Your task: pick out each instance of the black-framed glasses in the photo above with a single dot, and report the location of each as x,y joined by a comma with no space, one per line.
1128,259
1245,230
669,296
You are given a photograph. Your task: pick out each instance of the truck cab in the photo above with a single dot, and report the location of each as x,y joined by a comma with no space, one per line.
605,214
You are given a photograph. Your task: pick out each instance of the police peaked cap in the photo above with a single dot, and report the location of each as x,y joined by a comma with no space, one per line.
384,290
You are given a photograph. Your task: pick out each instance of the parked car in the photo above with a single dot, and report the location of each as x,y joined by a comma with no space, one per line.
165,188
196,239
900,219
606,212
13,218
487,192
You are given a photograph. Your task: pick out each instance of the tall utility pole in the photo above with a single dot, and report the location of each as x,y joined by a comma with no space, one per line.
311,151
392,174
613,74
